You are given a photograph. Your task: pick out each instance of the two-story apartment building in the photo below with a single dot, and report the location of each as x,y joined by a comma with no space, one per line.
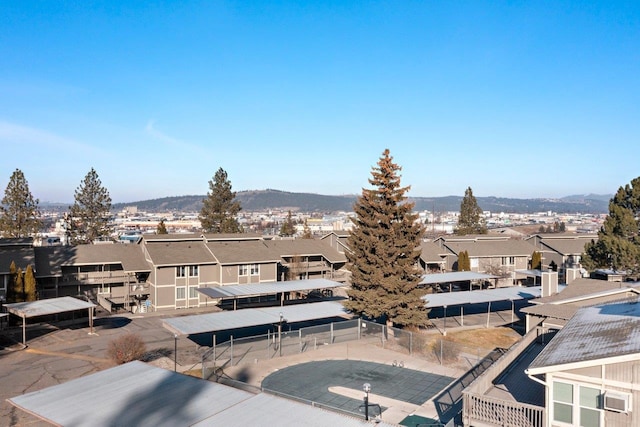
562,252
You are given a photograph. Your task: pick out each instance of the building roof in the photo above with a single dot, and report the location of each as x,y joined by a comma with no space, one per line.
222,321
432,252
492,248
137,394
269,288
23,256
593,334
306,247
47,306
179,253
50,260
234,252
583,288
566,246
556,311
513,293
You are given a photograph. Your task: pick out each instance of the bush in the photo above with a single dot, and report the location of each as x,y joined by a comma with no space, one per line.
126,348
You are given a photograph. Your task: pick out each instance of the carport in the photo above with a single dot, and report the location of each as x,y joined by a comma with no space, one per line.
236,292
45,307
464,298
455,276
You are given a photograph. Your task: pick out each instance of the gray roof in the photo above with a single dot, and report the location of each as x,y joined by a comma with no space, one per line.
492,248
432,252
583,288
566,246
137,394
234,252
454,276
594,333
222,321
267,288
556,311
179,253
21,255
306,247
47,306
49,260
481,296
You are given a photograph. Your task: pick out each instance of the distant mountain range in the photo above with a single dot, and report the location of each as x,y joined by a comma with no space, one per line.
260,200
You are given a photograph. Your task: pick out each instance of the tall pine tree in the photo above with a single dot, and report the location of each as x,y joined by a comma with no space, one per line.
470,220
90,215
220,207
19,213
288,229
618,244
384,251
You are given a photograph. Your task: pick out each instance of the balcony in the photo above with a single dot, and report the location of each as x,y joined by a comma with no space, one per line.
100,277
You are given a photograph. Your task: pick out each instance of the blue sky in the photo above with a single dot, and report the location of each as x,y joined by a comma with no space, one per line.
512,98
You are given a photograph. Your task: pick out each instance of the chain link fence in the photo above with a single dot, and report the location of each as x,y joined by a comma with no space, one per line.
429,346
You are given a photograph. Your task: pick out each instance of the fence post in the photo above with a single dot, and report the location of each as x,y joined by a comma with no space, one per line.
359,327
300,339
441,352
231,351
315,343
410,343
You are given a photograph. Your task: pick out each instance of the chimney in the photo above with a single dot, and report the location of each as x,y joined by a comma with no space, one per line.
573,274
549,283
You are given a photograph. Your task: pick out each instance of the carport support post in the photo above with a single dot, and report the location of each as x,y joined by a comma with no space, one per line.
91,321
462,315
444,327
512,309
24,330
488,313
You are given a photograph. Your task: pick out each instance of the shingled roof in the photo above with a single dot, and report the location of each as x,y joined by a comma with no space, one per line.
492,248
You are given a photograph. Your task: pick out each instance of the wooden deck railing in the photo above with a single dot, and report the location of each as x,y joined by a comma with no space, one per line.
481,410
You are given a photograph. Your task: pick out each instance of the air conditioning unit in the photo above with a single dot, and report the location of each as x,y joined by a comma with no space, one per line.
616,401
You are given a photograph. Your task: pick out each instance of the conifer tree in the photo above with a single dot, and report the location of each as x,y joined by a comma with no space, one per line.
464,262
384,251
19,213
288,229
618,244
90,214
470,220
536,260
161,228
306,231
220,207
30,291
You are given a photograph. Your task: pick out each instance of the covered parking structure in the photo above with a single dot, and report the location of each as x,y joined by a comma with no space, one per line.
455,277
46,307
250,317
470,298
238,292
137,394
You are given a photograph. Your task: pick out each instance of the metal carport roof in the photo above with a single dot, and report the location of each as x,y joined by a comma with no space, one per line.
254,289
45,307
222,321
143,395
513,293
454,276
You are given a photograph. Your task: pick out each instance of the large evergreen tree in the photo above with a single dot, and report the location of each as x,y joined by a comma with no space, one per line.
618,244
384,251
220,207
90,215
19,213
470,220
288,229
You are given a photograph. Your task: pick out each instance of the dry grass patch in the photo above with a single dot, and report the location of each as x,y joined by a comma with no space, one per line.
485,338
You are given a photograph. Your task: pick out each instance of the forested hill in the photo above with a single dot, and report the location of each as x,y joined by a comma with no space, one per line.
259,200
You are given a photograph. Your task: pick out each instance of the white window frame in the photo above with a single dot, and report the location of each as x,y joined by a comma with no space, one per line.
243,270
194,271
576,404
181,271
193,292
181,290
255,269
508,260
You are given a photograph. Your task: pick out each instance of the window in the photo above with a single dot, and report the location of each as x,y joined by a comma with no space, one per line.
193,271
574,402
181,292
181,271
508,260
562,402
255,269
193,292
243,270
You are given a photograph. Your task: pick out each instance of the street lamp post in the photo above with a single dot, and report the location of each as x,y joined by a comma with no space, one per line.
367,388
175,352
